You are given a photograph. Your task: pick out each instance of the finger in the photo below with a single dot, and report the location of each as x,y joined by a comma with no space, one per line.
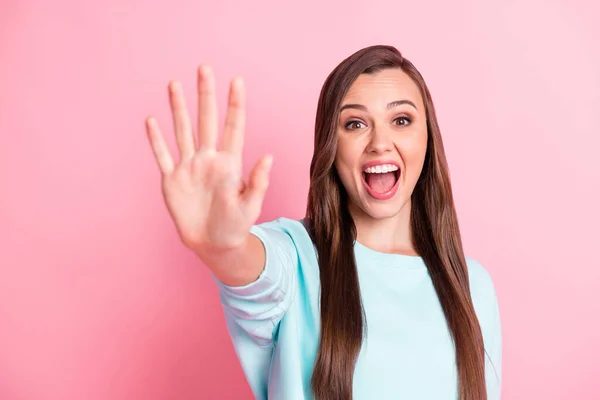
235,120
207,108
159,147
258,183
181,121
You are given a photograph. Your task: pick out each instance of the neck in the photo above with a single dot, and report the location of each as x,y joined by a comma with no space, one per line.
387,235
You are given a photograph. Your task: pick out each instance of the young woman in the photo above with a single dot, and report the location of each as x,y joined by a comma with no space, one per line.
370,295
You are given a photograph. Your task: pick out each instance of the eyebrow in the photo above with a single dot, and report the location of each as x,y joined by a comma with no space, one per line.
389,106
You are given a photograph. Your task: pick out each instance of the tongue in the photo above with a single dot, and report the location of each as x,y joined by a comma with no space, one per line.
381,183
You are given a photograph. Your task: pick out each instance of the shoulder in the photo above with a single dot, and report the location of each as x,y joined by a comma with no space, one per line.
480,280
283,224
485,301
295,229
483,294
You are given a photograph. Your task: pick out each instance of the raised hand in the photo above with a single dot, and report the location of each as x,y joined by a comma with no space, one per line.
207,198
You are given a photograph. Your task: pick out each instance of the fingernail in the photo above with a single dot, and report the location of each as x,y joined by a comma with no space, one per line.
206,70
268,162
238,82
174,86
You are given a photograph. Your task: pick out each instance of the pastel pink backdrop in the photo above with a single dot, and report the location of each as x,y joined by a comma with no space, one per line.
99,300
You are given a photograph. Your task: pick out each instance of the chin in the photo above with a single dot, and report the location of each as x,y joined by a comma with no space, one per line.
383,212
380,209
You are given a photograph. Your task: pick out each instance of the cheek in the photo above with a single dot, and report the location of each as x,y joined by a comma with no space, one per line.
346,157
417,142
413,153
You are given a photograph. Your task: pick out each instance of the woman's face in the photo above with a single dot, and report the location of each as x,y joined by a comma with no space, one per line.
382,140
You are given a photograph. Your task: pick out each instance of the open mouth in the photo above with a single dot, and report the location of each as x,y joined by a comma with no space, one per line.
381,181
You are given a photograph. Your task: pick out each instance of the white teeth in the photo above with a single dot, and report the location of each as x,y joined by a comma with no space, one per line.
380,169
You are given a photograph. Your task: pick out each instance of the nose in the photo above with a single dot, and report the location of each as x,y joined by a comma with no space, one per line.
381,140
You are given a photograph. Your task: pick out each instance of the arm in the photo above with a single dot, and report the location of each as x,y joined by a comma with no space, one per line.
254,310
494,362
485,300
239,266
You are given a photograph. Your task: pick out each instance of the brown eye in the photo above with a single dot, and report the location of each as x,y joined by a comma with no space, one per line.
352,125
408,120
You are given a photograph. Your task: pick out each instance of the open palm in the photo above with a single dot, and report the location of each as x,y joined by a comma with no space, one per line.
207,198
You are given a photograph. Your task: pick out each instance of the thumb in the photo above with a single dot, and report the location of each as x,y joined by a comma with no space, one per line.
258,183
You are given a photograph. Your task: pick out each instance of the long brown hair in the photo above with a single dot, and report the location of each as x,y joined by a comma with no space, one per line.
435,231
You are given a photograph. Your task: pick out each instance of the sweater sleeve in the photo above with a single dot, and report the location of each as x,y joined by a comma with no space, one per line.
253,311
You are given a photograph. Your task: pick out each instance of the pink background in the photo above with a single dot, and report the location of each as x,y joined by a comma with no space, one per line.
99,300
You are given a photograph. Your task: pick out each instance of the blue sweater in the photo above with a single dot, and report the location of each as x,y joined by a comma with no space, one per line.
407,353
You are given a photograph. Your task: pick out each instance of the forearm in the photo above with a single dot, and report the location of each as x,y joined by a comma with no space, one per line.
236,267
